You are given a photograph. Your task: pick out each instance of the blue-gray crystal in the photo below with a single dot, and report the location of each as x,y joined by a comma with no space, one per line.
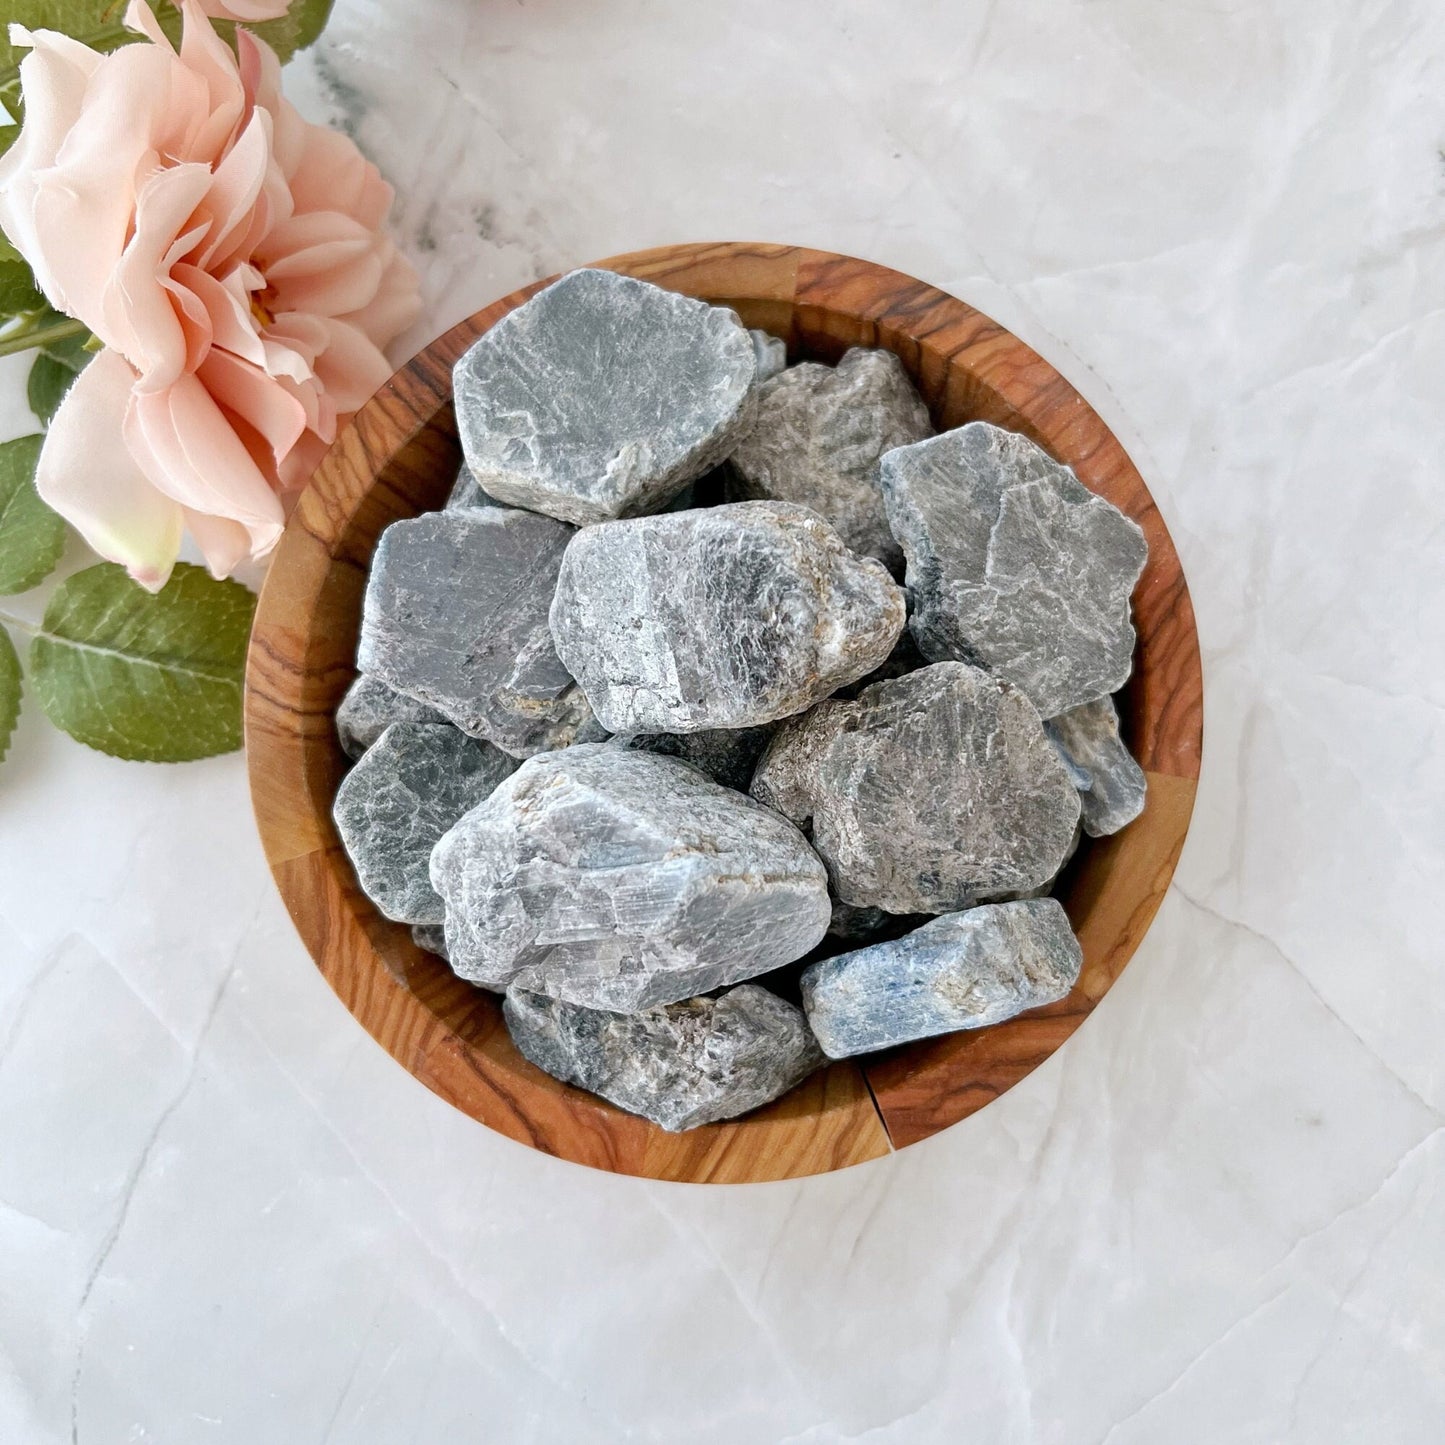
456,617
620,879
926,792
1113,785
602,397
679,1064
961,971
369,708
727,617
727,755
1014,564
820,433
771,353
411,785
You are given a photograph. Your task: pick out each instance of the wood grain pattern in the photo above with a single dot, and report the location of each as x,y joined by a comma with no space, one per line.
399,456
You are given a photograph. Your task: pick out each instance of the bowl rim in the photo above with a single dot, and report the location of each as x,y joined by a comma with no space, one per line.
396,450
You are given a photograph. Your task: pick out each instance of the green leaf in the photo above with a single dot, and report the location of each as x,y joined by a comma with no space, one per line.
17,289
296,29
32,537
48,382
154,678
9,691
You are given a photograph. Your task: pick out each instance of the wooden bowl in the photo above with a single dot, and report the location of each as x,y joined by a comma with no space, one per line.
400,456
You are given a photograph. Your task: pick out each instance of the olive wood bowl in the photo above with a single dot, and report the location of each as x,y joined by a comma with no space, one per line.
400,455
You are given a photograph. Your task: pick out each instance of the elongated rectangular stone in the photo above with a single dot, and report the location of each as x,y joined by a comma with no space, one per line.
961,971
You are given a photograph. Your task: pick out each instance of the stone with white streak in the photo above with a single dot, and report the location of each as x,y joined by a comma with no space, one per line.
927,792
456,617
961,971
620,879
820,433
602,397
679,1064
728,617
413,783
1111,784
1014,564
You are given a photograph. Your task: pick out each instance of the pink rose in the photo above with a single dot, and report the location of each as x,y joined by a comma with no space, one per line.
228,254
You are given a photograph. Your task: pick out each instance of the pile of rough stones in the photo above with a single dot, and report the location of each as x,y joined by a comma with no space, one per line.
643,713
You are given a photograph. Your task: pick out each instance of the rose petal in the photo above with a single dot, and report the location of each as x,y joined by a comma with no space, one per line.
192,453
97,486
259,400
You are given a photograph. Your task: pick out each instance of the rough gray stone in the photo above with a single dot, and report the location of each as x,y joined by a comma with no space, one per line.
430,936
1113,784
771,353
727,755
681,1064
962,971
413,783
456,617
820,433
729,617
369,708
602,397
1014,564
927,792
620,879
466,493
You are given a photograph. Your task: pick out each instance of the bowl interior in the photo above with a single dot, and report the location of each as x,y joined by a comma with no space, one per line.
401,455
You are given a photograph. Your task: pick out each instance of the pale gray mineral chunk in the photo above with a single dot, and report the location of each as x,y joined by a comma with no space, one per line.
1014,564
680,1064
456,617
820,433
962,971
926,792
728,617
369,708
413,783
430,936
727,755
620,879
466,493
602,397
1113,783
771,353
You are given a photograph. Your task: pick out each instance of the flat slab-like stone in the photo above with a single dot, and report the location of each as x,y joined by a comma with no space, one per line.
681,1064
619,879
1111,783
1014,564
927,792
819,436
369,708
411,785
962,971
602,397
456,617
724,618
727,755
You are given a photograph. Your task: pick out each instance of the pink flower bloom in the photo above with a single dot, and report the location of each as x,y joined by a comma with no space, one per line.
247,10
230,257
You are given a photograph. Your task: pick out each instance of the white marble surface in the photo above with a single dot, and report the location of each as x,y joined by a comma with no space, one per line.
1215,1217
